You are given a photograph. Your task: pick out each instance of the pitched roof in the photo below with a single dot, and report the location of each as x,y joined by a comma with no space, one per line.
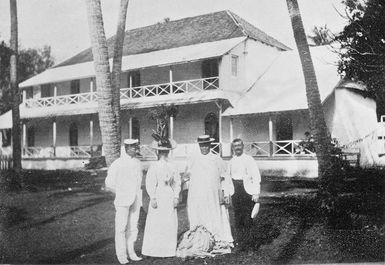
183,32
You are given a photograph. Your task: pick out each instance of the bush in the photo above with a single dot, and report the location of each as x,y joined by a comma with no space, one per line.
96,162
357,199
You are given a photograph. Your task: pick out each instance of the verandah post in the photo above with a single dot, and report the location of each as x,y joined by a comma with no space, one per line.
271,146
91,135
54,137
171,80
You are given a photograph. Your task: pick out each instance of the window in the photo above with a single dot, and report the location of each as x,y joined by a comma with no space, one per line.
73,134
212,126
75,86
6,137
210,68
29,92
31,136
135,129
284,130
46,91
135,78
234,65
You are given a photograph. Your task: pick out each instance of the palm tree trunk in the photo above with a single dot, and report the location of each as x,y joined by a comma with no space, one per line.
16,139
107,118
317,120
117,60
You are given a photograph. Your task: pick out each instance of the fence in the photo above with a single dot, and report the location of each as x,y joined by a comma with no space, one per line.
6,162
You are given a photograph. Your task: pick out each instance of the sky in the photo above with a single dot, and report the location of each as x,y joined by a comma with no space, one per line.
63,25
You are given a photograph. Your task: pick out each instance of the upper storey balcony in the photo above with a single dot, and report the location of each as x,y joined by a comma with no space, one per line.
126,94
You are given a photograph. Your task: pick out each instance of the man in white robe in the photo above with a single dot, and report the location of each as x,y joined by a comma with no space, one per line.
209,192
124,178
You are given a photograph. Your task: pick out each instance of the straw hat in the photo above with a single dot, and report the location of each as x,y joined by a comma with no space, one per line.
204,139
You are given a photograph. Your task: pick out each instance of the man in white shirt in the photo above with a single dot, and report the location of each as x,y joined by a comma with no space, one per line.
124,178
246,179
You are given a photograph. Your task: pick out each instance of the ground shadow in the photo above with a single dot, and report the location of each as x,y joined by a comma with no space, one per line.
86,204
77,253
10,216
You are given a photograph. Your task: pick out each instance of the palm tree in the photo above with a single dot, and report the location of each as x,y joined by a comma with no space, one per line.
16,139
317,120
107,118
117,60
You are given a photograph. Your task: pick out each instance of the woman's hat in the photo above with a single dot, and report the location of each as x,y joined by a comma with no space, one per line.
164,145
255,210
205,139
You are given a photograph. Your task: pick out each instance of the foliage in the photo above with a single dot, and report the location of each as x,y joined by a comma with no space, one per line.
362,56
31,62
321,36
161,115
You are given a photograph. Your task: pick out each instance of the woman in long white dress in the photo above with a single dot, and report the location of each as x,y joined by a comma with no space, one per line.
163,186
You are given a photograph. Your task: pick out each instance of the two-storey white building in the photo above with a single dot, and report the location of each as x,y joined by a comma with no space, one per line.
227,78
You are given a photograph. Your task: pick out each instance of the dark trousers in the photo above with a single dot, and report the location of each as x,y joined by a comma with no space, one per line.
243,205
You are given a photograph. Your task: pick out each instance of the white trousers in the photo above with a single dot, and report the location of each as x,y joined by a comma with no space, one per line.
126,228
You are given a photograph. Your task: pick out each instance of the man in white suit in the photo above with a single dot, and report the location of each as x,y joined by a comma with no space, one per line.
124,178
246,178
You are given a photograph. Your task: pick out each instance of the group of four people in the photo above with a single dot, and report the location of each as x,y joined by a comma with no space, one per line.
210,186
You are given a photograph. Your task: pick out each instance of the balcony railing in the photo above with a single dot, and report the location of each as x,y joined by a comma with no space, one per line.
172,88
277,148
65,100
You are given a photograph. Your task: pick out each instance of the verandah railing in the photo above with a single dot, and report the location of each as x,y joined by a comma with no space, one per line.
277,148
62,151
6,162
171,88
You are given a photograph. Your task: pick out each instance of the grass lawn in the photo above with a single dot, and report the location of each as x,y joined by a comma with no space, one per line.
69,219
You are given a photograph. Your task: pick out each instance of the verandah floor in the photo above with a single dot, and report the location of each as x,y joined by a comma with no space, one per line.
71,221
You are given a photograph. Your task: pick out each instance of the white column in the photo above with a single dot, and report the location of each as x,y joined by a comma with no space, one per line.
91,132
91,135
231,130
24,96
54,94
24,135
91,85
171,80
54,137
130,127
220,122
130,84
270,130
271,147
171,129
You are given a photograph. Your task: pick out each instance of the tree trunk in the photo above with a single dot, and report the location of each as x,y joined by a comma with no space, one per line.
107,118
317,120
16,139
117,60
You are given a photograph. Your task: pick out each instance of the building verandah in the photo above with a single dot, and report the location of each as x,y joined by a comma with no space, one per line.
79,136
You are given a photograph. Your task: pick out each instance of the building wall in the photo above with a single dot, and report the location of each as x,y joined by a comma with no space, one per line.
253,59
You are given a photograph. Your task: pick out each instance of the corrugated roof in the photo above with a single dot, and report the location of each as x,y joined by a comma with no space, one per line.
6,120
183,32
282,86
136,61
